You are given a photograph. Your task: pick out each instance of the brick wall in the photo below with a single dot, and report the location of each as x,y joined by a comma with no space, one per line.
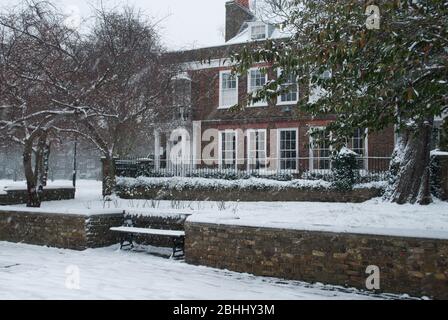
407,265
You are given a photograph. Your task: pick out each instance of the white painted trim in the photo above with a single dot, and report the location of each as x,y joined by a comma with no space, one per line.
285,103
220,159
311,161
248,131
279,158
250,25
221,106
366,141
213,63
258,104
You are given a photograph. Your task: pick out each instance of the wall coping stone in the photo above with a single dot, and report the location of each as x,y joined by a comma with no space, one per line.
442,235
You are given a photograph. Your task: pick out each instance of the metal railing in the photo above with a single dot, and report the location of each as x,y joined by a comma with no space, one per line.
370,168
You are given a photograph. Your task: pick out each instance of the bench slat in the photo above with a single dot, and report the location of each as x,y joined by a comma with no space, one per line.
158,232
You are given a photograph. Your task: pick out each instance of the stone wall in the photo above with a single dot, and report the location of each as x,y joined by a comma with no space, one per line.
51,194
407,265
80,231
357,195
69,231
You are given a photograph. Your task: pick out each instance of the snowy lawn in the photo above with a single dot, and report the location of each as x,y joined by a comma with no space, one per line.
33,272
371,217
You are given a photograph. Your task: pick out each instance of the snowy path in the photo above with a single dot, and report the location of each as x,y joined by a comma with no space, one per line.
34,272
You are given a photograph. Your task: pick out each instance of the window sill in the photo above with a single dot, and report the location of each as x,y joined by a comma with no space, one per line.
257,105
287,103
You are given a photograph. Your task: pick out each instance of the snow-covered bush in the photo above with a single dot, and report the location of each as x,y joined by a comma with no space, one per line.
211,173
345,171
315,175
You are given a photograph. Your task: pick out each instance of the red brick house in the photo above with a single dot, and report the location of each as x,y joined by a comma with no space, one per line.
244,139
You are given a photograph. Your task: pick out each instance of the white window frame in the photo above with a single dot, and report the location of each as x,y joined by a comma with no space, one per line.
249,131
366,149
250,91
257,25
221,105
311,153
279,98
220,151
279,158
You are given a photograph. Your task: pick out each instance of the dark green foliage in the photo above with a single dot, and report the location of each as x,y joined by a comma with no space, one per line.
444,136
393,75
378,77
436,185
345,170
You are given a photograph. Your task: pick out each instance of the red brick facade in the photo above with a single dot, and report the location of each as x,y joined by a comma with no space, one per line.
203,67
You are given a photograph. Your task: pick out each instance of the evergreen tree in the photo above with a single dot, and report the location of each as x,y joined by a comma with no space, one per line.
374,66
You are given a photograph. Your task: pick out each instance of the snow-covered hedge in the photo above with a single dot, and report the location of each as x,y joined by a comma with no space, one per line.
185,183
345,169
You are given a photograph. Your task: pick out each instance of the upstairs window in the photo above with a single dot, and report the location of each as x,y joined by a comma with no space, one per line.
258,32
228,89
256,81
290,90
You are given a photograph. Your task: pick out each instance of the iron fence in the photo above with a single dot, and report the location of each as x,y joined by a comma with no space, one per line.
369,168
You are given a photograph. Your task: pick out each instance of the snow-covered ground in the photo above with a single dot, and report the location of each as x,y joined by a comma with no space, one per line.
33,272
371,217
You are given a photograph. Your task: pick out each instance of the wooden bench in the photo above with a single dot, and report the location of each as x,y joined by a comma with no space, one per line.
128,233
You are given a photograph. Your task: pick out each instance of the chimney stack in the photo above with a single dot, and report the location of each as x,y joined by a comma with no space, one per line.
237,12
243,3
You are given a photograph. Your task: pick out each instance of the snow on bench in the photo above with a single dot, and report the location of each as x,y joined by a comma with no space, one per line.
177,236
156,232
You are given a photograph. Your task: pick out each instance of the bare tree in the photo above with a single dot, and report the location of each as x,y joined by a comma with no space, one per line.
103,86
30,53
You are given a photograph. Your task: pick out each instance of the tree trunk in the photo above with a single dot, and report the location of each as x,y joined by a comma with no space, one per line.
43,168
33,196
410,171
109,179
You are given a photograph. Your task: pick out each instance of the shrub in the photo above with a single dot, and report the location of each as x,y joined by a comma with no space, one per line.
436,183
345,171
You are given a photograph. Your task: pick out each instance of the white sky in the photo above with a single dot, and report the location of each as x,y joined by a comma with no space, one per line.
185,23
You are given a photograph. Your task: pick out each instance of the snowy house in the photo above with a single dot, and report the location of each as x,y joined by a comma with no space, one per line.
262,130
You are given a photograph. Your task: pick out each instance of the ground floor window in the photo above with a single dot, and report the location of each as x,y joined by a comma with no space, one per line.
288,149
227,155
256,149
320,150
358,143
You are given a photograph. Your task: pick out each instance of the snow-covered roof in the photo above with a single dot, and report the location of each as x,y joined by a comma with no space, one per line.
244,34
182,76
